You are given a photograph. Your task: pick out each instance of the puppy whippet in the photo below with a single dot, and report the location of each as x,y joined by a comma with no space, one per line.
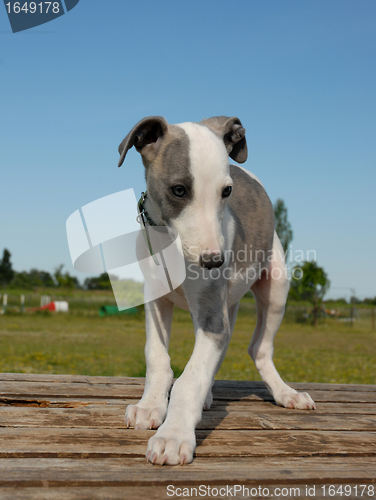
225,221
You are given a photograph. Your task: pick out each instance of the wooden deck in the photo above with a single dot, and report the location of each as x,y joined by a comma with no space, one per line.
63,437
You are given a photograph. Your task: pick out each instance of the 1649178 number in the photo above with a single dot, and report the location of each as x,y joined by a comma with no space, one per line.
33,7
353,490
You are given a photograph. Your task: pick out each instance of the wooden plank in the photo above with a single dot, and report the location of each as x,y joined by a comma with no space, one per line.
69,390
72,379
247,406
236,394
31,389
112,416
86,493
289,420
299,386
68,442
322,407
64,437
24,401
256,385
135,471
252,443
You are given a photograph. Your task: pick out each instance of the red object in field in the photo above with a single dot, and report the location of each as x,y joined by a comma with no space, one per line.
48,307
57,305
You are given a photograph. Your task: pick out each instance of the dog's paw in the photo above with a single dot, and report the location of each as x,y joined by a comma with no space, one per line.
171,447
144,418
293,399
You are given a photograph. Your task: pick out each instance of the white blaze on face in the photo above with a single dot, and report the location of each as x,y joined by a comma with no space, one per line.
199,224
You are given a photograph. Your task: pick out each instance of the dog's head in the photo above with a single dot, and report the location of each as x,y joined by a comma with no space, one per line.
188,179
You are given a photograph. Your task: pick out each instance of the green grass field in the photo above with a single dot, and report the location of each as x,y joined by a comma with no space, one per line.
82,342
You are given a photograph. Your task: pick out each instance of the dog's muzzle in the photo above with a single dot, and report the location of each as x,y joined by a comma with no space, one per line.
211,260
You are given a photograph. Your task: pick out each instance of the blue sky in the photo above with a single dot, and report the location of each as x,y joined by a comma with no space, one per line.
301,76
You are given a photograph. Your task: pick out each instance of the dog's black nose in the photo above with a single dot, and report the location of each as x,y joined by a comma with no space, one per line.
211,260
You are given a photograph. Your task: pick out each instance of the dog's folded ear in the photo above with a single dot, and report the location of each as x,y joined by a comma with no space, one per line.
145,134
233,134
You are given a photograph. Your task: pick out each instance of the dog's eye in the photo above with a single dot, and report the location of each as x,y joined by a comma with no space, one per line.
178,191
226,192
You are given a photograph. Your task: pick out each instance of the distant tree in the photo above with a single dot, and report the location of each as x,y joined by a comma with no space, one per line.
354,300
101,282
33,278
45,278
309,282
337,301
65,279
21,280
370,301
282,225
6,271
40,278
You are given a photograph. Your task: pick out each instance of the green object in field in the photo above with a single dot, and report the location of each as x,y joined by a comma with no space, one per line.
111,310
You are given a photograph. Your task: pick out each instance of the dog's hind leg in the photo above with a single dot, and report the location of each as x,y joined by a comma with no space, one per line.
150,411
270,292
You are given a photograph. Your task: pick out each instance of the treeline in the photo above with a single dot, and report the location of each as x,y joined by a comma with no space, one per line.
9,278
309,285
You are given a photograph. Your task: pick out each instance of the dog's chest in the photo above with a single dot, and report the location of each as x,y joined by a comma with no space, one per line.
201,287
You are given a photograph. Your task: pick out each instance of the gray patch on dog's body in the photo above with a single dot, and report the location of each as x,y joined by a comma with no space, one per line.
211,316
253,214
171,167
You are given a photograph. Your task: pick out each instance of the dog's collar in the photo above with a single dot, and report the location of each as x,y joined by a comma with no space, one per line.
143,213
144,219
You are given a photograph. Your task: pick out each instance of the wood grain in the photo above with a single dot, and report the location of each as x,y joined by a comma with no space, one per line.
63,437
136,471
106,416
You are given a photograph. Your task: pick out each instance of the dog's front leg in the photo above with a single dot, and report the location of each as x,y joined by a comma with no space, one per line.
175,442
151,410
